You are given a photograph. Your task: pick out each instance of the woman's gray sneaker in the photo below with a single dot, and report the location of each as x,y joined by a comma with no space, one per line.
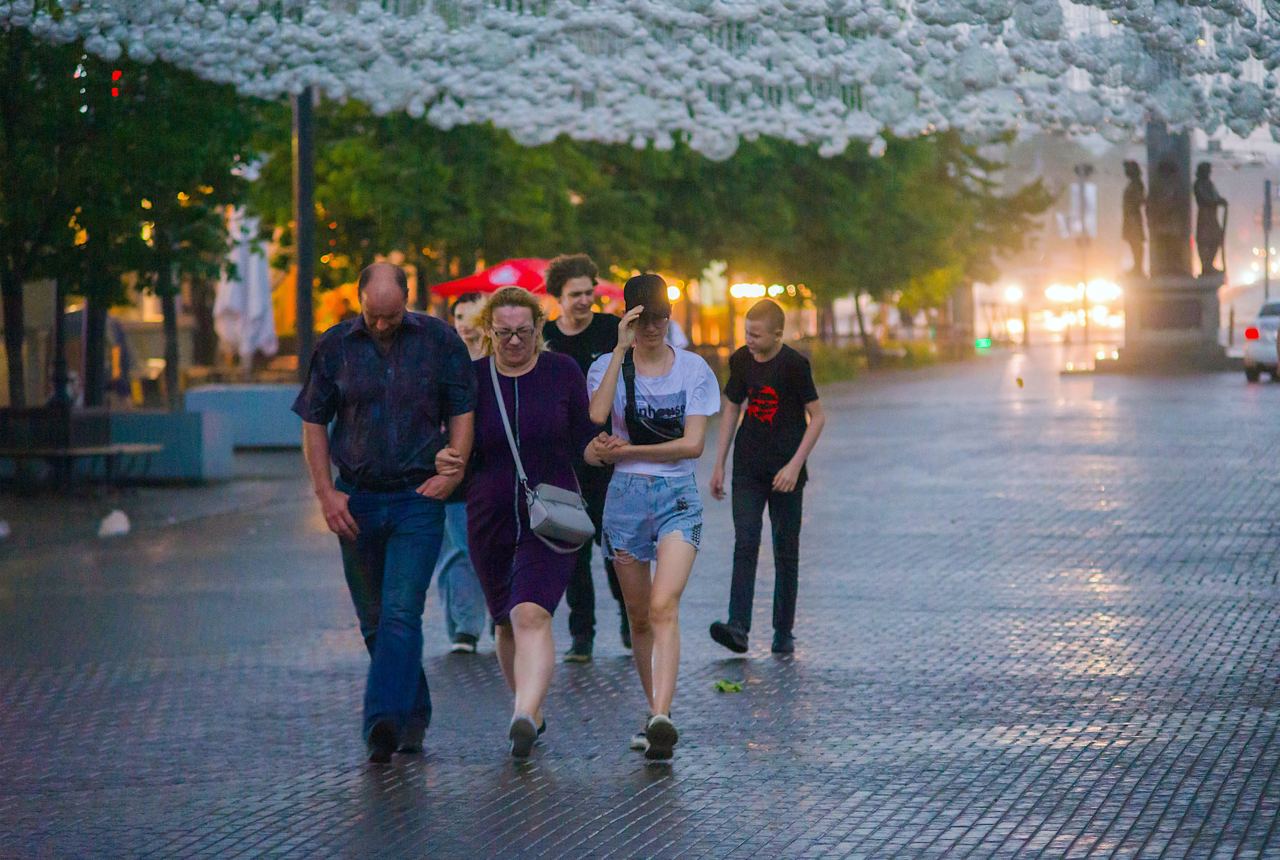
522,734
662,736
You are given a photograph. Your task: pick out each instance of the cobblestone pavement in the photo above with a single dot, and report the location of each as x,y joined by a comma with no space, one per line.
1034,621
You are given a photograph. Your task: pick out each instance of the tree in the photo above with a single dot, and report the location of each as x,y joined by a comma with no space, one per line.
108,170
185,138
42,150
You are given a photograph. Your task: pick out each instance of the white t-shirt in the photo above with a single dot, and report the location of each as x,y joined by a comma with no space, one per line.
689,388
676,336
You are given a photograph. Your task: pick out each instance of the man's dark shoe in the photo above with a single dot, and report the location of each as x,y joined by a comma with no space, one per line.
382,741
411,740
624,631
522,734
579,651
730,636
464,643
784,643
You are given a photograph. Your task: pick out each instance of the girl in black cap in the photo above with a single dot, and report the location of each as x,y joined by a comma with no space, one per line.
659,399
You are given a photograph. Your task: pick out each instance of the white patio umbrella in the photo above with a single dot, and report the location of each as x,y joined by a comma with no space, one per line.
242,311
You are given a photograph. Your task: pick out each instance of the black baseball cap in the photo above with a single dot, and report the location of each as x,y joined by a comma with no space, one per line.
649,290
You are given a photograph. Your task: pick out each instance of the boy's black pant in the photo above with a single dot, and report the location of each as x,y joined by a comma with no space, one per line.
581,594
750,496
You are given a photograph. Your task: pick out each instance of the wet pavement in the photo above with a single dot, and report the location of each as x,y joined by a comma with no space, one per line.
1036,620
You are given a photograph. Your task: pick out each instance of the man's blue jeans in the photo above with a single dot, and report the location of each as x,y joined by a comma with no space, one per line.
460,594
388,568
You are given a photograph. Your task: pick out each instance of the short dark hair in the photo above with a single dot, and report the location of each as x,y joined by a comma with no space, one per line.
768,311
464,299
566,267
367,273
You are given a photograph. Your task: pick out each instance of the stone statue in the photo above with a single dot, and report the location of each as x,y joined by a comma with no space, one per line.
1167,219
1134,227
1209,230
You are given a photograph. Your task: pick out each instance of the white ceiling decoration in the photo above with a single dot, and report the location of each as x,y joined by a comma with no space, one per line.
828,72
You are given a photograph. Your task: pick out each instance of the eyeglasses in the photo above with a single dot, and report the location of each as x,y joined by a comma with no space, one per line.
524,333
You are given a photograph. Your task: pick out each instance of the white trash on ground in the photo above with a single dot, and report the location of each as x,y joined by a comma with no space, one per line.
114,524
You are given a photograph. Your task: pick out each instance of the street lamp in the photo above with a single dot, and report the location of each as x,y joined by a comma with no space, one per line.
1084,225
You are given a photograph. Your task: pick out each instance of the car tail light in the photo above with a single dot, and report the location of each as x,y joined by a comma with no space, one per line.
1251,333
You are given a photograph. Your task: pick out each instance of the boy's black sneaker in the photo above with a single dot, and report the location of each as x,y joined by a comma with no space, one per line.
784,643
382,741
730,636
579,651
464,643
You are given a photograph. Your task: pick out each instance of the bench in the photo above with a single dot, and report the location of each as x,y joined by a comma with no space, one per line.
63,459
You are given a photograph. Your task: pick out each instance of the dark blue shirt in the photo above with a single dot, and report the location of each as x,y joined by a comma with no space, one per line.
387,409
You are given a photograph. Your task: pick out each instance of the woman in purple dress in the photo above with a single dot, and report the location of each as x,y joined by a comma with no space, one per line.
523,578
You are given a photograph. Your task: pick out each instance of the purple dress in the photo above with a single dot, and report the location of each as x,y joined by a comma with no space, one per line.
548,408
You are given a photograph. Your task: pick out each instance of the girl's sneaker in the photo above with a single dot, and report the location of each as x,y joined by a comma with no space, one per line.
522,734
662,736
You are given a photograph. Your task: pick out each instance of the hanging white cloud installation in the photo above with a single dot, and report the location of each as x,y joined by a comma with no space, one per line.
828,72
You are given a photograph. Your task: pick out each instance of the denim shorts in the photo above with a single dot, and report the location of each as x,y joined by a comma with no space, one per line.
640,510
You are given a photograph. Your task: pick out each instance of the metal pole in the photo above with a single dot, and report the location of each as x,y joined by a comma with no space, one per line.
1084,285
1084,224
304,218
60,395
1266,241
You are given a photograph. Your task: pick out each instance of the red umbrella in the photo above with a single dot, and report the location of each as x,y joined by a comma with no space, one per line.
527,272
609,292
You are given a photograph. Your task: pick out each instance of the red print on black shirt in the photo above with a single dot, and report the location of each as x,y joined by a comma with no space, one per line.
763,405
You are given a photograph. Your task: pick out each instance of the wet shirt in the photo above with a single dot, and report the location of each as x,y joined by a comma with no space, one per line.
773,394
387,409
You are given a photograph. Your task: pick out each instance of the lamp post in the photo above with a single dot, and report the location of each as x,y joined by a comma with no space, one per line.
1266,241
304,219
1084,224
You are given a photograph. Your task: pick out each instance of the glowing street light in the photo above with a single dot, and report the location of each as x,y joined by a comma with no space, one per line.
748,291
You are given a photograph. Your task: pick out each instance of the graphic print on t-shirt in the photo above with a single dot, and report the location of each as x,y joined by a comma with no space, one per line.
763,404
661,407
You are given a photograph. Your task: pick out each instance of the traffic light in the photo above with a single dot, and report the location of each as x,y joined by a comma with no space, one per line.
116,76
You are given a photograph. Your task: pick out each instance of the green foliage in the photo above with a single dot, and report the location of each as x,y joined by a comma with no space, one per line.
76,162
83,142
832,363
840,363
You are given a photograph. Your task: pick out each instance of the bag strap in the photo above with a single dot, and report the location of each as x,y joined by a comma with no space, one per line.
515,454
629,384
506,424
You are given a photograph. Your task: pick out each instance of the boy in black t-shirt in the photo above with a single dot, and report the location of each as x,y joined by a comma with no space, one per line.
584,335
780,425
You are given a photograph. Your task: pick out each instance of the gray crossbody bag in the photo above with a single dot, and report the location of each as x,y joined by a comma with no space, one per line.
555,514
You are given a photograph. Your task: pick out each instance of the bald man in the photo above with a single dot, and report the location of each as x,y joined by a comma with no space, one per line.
387,380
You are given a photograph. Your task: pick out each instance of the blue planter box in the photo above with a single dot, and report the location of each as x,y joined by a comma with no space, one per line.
197,445
256,416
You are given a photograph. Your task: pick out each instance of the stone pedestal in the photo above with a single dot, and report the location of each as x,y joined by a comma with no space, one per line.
1171,324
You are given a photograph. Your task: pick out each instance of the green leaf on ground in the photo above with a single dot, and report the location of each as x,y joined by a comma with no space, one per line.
726,686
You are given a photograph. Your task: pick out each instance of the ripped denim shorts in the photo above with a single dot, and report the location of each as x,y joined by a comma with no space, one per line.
640,510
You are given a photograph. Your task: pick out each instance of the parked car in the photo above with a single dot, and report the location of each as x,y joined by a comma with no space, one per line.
1260,348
